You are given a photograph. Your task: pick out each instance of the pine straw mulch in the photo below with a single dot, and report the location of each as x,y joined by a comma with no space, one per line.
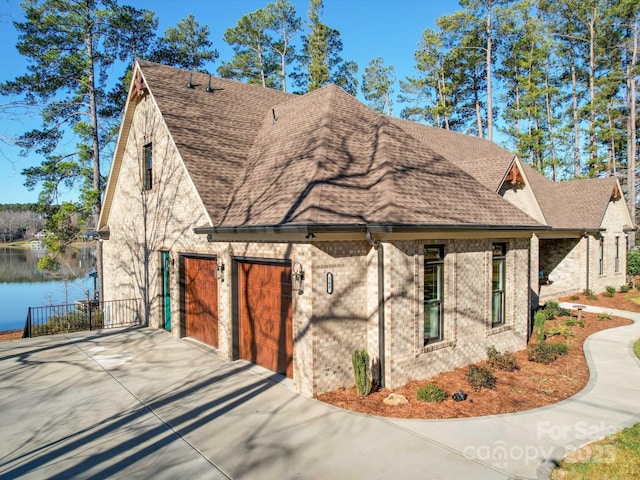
533,385
10,335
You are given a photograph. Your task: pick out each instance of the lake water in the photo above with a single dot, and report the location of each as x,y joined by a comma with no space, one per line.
22,285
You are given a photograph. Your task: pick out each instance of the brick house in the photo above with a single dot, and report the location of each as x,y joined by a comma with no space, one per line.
290,231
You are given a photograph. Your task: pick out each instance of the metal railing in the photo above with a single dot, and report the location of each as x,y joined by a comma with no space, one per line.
82,315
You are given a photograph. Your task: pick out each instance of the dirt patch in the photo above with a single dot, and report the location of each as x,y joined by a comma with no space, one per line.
10,335
534,385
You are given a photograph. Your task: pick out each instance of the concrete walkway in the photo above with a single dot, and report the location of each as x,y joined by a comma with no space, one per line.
142,404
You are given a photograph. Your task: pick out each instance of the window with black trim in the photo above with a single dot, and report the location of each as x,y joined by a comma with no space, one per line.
499,256
433,293
147,167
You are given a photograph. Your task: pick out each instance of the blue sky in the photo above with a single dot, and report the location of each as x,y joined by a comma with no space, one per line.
370,28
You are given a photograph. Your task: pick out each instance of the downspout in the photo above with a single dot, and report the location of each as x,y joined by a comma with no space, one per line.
586,235
378,247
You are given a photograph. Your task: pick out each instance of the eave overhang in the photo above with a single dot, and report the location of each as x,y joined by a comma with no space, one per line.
311,230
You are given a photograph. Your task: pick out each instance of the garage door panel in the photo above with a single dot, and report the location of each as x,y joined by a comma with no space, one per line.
201,299
265,310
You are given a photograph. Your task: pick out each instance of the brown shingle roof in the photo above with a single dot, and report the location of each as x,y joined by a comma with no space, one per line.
573,204
328,159
213,131
486,161
331,160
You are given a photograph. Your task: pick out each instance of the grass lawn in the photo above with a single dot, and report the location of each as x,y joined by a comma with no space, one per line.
615,457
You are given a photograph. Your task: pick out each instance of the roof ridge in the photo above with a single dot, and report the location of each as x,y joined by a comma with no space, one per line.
321,166
387,198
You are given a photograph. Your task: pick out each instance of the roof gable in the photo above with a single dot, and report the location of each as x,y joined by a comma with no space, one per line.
573,204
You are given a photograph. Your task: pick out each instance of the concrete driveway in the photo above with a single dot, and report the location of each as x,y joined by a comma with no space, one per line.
142,404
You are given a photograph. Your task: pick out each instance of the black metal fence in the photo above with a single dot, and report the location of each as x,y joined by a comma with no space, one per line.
82,315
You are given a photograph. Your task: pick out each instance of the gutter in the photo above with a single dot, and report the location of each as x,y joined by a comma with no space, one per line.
377,245
309,229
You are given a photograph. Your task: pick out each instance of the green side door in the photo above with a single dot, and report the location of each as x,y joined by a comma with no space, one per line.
166,290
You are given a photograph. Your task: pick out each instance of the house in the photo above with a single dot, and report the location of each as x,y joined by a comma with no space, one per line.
290,231
586,244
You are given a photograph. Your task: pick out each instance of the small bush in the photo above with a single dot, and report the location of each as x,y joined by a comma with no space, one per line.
558,348
592,297
502,361
551,305
572,322
624,288
539,320
586,292
633,262
563,312
561,330
431,393
604,316
610,289
480,377
361,372
541,353
574,297
608,294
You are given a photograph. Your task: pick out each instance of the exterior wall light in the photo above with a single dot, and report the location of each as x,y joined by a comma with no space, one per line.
297,276
220,269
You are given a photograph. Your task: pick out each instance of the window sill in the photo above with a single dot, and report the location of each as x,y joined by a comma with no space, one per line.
432,347
500,329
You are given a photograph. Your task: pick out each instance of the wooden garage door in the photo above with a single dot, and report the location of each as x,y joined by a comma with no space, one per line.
201,299
264,301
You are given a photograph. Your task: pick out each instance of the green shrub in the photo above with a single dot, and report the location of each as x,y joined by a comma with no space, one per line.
633,262
624,288
502,361
610,289
608,294
551,305
480,377
604,316
361,372
558,348
431,393
541,353
563,312
573,322
561,330
539,320
574,297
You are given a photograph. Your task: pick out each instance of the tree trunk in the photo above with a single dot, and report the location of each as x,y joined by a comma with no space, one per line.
577,167
632,129
489,87
93,112
593,147
552,143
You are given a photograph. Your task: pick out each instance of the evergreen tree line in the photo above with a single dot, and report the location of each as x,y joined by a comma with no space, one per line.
558,76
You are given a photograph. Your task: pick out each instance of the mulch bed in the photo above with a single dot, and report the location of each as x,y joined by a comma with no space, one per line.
534,385
10,335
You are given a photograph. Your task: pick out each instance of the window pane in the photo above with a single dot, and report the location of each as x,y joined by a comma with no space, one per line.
433,288
497,314
432,282
498,274
431,321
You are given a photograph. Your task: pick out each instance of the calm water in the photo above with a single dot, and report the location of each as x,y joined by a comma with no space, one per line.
22,285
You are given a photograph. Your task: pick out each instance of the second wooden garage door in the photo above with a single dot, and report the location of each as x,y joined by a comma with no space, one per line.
201,299
264,301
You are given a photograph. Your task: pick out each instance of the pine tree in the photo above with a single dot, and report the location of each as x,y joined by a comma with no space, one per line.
377,85
186,45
